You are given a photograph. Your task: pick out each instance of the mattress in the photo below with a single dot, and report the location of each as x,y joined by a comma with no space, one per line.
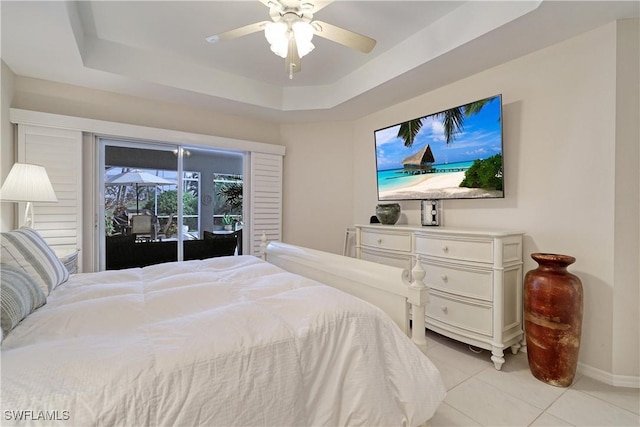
223,341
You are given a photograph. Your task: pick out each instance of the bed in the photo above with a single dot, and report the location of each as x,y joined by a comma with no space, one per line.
224,341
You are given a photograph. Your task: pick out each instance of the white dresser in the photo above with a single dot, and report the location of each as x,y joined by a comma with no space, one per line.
474,279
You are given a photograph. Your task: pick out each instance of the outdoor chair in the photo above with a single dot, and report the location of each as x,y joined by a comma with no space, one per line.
143,227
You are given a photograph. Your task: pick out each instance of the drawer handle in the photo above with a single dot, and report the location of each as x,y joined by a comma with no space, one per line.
444,278
444,309
379,241
445,249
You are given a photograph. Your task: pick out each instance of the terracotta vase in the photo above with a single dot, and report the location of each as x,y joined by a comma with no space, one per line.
553,319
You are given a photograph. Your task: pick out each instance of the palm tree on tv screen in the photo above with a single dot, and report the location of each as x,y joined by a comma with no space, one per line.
452,121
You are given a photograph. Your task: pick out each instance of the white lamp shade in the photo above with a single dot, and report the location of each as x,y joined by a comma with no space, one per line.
276,34
303,32
27,183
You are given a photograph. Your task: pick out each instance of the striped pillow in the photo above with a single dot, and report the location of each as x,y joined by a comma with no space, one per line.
26,249
20,295
70,262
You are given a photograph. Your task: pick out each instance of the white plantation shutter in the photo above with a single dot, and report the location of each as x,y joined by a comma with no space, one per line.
60,152
266,199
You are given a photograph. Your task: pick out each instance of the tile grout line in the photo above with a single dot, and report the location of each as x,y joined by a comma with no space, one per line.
496,388
543,411
600,398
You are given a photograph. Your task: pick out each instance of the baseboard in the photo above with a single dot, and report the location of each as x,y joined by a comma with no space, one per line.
608,377
603,376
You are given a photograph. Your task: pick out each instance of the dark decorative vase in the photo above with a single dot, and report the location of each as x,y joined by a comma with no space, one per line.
388,213
553,319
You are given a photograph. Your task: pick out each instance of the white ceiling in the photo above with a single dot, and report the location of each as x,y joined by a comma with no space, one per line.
157,50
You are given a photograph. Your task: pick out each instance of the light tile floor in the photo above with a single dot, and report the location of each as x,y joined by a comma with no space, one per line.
479,395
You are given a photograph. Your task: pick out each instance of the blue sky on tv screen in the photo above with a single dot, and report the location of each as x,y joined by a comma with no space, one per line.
481,137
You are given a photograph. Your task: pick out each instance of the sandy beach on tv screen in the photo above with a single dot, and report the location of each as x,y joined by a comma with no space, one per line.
438,186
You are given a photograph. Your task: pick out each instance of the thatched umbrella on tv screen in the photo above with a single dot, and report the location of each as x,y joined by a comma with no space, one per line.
421,160
138,178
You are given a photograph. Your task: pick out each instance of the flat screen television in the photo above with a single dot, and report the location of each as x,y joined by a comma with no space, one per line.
452,154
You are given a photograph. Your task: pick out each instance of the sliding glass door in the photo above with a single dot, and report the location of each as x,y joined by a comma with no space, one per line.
161,202
220,195
141,187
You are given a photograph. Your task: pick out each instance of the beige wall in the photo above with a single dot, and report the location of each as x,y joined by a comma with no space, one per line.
318,184
626,295
569,158
49,97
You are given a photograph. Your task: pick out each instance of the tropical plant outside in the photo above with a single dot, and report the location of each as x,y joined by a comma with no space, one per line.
232,195
228,200
168,203
109,229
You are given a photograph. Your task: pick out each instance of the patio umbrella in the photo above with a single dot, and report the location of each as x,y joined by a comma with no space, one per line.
138,178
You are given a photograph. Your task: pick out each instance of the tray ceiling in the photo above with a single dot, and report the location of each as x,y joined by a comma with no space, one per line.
157,50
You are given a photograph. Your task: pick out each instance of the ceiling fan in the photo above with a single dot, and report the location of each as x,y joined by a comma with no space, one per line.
291,29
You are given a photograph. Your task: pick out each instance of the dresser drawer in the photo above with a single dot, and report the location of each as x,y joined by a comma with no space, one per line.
381,240
462,250
458,280
466,315
387,258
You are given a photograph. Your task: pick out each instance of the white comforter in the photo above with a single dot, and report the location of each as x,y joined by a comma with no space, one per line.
225,341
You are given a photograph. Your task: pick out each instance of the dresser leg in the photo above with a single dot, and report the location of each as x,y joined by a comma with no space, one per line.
523,343
515,348
497,357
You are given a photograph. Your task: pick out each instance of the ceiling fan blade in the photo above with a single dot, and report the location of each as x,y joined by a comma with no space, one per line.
318,5
237,32
293,63
344,37
306,7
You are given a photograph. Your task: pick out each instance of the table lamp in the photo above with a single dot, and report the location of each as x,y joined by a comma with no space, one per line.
27,183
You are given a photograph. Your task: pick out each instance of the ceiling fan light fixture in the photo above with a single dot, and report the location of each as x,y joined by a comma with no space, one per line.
303,32
276,35
292,29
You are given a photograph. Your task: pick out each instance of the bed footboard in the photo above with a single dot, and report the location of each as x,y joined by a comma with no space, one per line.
389,288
